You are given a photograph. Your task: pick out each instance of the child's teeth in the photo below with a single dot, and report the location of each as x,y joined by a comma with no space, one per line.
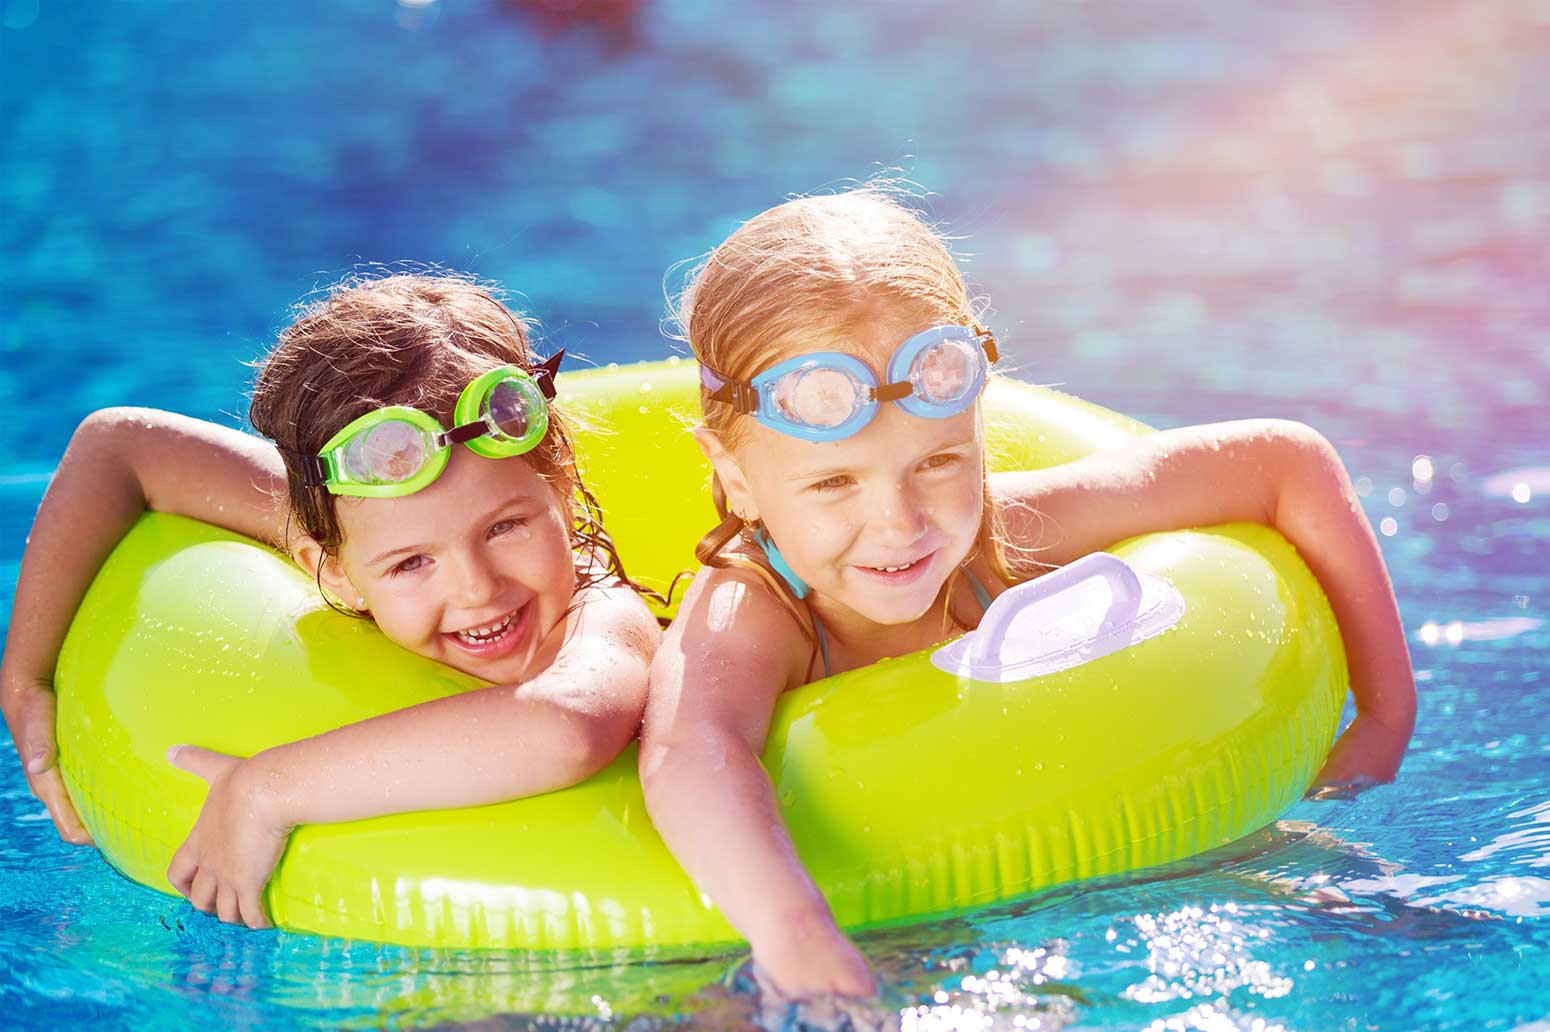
487,631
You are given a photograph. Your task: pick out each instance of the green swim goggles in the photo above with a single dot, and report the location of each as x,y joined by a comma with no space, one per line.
398,450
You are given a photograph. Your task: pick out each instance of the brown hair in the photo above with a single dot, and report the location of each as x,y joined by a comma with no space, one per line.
815,266
412,339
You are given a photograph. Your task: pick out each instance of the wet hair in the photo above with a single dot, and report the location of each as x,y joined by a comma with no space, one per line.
813,268
412,339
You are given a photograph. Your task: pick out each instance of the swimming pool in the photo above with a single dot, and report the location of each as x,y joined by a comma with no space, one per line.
1186,211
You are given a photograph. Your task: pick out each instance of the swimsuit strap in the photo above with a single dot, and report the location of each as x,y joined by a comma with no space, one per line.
782,568
980,594
823,641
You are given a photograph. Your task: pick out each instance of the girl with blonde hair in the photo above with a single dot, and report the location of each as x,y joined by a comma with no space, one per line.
842,361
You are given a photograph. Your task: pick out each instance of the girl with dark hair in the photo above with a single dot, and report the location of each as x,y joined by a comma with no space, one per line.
423,475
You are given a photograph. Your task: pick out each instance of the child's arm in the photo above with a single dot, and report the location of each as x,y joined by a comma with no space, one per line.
713,690
1274,472
120,462
482,746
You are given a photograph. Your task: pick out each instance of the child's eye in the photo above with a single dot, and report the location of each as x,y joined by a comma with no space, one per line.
833,483
507,526
942,461
413,563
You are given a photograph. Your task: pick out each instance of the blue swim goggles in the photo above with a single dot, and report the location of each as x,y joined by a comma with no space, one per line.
829,395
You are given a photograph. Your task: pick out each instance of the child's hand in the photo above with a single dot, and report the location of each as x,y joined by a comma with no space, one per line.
1367,753
29,713
826,1013
813,958
224,864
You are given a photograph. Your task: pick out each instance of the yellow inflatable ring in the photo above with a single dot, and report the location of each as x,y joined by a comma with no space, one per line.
909,790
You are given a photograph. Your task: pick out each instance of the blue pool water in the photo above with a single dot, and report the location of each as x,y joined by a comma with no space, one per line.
1187,210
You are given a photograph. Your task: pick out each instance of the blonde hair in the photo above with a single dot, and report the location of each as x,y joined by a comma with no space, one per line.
806,269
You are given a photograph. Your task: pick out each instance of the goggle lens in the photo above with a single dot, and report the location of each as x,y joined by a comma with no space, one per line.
819,397
389,453
506,410
945,372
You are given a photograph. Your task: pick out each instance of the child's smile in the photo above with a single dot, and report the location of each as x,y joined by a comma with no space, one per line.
498,638
900,573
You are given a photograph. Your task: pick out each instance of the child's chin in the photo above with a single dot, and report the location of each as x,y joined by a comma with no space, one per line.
892,612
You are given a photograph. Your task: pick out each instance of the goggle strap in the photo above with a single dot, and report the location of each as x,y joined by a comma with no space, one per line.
545,373
463,434
314,471
744,397
988,342
893,391
740,394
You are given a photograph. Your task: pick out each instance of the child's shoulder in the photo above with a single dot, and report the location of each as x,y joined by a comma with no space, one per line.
733,648
733,613
617,613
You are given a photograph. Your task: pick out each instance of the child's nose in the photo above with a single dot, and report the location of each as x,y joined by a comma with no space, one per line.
478,582
899,517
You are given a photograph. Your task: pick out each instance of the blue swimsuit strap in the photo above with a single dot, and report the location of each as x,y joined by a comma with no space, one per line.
981,595
823,643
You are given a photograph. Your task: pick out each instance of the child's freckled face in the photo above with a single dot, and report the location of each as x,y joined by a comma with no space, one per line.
878,521
484,551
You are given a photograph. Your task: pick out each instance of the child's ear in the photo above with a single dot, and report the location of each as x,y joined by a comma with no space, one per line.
326,570
733,482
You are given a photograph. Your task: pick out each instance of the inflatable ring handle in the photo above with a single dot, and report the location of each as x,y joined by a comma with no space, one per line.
1124,601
